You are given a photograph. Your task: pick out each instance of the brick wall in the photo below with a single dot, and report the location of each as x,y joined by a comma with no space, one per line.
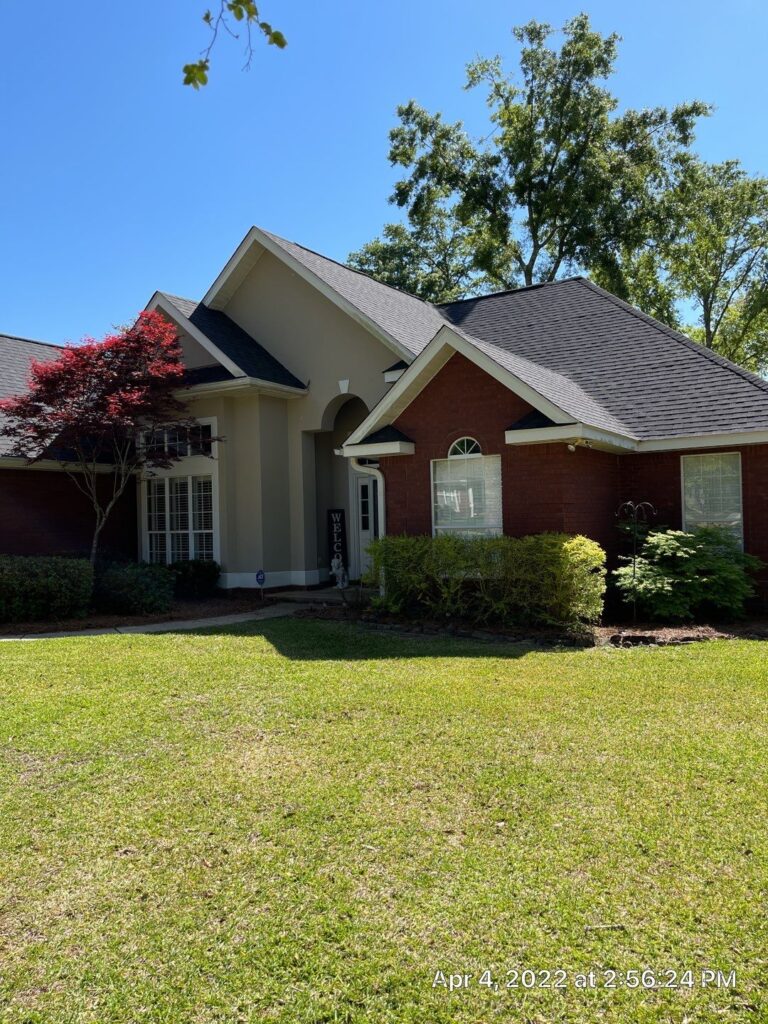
43,513
544,487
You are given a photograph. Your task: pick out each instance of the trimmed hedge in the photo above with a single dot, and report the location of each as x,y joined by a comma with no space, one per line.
34,588
196,578
542,579
682,576
133,588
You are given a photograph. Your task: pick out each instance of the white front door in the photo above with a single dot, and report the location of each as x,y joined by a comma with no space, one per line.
367,517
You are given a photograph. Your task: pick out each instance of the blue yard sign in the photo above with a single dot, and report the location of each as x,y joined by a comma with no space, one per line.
260,577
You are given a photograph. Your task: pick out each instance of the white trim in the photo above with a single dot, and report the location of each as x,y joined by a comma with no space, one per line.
705,455
49,465
390,376
245,384
286,578
159,301
377,449
603,439
410,384
694,441
257,237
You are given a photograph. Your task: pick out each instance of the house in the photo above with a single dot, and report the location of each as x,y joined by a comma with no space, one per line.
541,408
41,511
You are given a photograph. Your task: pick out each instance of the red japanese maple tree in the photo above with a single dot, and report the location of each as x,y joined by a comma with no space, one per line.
88,408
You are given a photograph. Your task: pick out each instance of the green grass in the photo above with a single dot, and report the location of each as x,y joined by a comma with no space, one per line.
303,822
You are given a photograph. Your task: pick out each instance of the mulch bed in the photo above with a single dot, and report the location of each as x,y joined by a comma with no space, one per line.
227,602
616,635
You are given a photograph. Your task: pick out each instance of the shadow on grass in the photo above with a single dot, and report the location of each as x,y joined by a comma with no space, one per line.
319,640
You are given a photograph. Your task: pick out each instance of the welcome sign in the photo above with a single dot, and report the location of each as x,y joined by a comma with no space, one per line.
337,535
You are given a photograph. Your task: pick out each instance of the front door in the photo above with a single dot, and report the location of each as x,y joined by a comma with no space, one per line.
367,516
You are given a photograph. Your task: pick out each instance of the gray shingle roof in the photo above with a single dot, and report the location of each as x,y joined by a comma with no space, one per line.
16,354
252,358
410,321
388,433
632,369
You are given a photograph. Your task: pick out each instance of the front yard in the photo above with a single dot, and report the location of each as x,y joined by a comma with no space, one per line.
303,822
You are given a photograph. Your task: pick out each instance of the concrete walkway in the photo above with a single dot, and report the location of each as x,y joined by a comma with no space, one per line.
274,611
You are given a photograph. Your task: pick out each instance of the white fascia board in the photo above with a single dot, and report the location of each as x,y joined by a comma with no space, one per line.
48,465
243,384
426,365
158,301
243,259
601,439
215,294
693,441
378,449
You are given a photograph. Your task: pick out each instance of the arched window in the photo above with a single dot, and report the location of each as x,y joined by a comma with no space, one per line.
466,491
463,447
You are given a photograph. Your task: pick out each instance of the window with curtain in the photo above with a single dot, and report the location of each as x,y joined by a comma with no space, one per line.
466,491
712,492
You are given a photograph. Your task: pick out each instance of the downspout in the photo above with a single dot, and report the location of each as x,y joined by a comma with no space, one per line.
375,472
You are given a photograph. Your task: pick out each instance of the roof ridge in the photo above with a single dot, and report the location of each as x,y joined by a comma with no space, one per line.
352,270
30,341
679,337
510,291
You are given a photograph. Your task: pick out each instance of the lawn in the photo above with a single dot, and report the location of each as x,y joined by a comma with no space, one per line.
304,822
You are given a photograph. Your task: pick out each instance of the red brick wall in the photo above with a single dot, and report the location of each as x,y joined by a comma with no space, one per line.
544,487
43,513
655,477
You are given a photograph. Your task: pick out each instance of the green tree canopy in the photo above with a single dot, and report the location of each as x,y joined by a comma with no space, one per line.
560,177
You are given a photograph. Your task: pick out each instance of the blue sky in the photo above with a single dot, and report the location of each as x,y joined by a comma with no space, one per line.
116,180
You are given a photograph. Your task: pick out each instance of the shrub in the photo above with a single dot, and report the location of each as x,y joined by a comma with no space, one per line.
133,588
196,578
544,579
41,588
683,576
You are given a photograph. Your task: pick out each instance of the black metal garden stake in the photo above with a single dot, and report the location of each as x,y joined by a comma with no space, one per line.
635,512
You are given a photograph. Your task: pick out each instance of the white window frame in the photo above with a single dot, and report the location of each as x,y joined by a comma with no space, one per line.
704,455
187,467
498,531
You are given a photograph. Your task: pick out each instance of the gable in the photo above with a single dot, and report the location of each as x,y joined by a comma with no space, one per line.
462,399
308,333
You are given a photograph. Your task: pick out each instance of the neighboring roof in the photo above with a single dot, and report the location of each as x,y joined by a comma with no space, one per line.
410,321
251,357
387,433
16,354
651,379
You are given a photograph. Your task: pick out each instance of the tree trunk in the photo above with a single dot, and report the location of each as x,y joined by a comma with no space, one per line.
95,542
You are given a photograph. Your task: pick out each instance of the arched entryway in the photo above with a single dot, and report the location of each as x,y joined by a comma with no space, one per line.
338,487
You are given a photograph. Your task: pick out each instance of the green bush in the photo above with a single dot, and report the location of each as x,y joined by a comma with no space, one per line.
683,576
195,578
543,579
36,588
133,588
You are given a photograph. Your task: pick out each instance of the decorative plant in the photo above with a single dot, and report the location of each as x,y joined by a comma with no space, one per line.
87,408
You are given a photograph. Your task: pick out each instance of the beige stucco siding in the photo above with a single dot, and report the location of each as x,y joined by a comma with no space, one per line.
311,336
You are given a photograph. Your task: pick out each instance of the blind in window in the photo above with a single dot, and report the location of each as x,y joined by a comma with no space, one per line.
466,496
712,491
